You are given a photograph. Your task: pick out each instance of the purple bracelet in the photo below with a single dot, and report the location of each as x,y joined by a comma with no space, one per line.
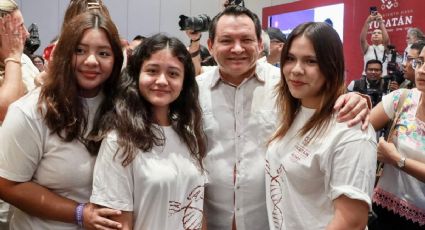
79,214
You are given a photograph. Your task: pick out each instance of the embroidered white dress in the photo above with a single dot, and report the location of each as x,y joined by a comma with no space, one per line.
302,179
397,191
163,188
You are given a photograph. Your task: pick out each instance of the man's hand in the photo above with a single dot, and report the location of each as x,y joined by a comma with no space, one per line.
354,108
193,36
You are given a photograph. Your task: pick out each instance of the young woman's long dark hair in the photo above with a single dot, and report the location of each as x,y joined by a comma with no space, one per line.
330,57
62,107
132,117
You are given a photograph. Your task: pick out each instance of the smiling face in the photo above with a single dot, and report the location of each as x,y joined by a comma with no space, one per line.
235,47
161,80
302,73
93,62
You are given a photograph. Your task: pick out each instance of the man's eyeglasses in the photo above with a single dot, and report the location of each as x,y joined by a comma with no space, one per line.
417,63
373,70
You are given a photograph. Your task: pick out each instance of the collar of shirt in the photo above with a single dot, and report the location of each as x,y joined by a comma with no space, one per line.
217,77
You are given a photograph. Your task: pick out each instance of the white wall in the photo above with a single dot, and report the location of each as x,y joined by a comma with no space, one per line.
132,17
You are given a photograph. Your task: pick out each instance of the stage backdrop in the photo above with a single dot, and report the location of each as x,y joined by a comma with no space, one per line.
399,15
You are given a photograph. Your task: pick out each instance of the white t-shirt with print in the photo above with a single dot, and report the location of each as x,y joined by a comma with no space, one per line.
303,180
163,188
30,152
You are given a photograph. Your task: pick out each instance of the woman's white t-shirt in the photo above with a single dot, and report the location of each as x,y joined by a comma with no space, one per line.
30,152
164,188
302,179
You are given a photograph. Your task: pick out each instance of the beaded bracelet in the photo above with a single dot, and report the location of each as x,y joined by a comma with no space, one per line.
9,59
79,214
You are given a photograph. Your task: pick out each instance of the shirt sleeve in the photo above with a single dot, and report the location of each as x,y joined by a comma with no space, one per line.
390,102
350,87
351,169
112,182
21,145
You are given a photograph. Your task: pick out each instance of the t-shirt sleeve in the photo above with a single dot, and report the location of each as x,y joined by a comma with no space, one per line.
390,102
112,182
20,145
351,169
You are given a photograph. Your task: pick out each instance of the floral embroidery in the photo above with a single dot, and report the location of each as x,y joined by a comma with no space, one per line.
399,206
409,128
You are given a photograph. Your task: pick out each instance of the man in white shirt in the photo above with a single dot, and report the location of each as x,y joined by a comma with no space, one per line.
238,102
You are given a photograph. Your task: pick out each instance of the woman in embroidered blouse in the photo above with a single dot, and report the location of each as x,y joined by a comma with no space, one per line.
399,197
319,172
150,162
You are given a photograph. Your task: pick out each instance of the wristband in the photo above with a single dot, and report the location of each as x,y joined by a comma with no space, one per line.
79,214
9,59
196,53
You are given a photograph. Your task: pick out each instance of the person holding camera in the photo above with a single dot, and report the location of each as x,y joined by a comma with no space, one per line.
372,83
379,40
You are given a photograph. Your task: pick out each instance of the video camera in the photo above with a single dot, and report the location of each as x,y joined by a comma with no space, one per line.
234,2
394,72
199,23
33,41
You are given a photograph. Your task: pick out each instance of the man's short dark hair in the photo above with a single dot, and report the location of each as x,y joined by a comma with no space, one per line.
235,10
275,33
373,61
419,45
139,37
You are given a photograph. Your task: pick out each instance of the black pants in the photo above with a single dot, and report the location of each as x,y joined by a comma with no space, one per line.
387,220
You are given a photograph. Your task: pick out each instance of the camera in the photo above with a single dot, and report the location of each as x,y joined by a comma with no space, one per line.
375,95
234,2
33,41
199,23
394,72
373,10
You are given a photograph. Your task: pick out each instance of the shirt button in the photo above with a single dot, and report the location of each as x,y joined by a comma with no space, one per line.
238,187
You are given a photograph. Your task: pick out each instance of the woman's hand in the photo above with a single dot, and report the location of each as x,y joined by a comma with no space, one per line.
12,38
354,108
96,217
387,152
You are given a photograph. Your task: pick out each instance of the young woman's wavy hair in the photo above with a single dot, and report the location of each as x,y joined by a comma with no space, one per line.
132,117
330,57
62,108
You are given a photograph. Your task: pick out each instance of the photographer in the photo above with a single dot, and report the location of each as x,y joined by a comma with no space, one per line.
394,75
372,83
379,40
